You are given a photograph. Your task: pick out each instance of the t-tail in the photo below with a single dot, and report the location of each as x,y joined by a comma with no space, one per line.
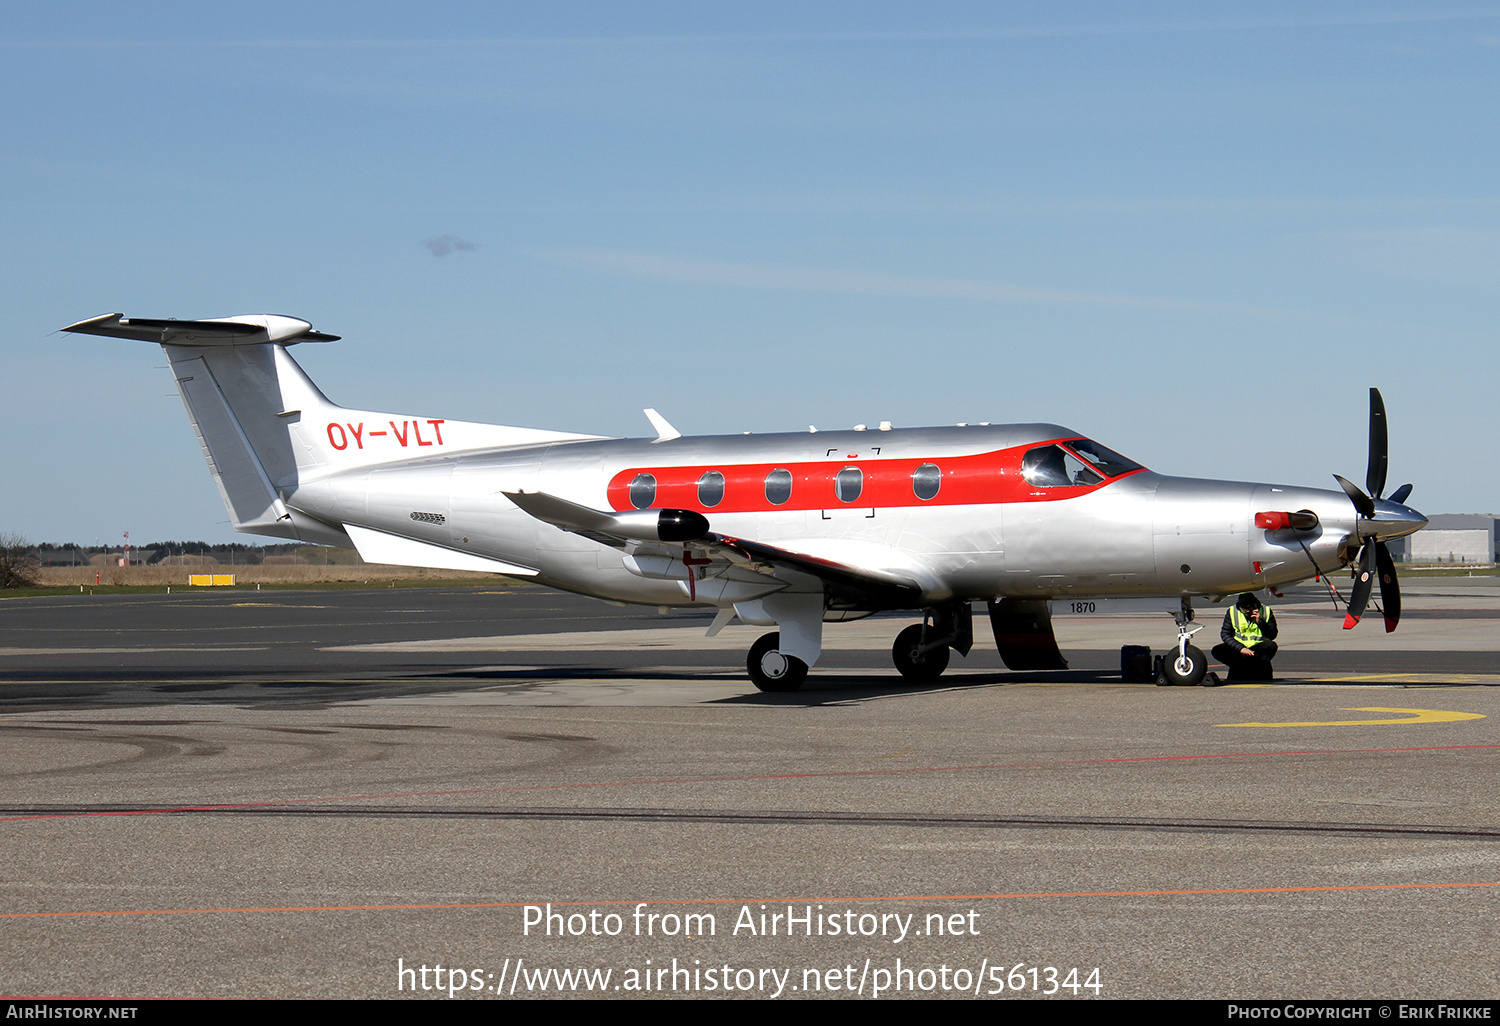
265,428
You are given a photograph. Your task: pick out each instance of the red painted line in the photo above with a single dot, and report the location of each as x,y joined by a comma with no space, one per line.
287,802
1019,895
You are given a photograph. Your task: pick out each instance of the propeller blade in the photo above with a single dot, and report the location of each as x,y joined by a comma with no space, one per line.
1375,473
1400,494
1363,504
1390,590
1359,597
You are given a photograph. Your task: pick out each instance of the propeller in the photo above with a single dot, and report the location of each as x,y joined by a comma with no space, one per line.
1375,562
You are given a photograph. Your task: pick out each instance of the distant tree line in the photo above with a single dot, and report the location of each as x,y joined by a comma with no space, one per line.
20,560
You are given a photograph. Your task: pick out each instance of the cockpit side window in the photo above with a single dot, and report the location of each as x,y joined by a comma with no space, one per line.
1052,466
1106,461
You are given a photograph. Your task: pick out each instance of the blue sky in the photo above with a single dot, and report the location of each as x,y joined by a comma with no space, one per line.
1197,232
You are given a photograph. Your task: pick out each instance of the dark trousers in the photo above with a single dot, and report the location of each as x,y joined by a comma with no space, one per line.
1242,667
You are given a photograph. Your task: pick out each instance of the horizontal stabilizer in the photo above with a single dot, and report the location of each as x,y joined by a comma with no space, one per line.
255,329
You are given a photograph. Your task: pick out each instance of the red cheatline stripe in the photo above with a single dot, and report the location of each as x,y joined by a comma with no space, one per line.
764,901
287,802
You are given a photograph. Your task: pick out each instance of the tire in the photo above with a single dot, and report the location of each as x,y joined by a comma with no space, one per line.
1185,673
770,669
923,669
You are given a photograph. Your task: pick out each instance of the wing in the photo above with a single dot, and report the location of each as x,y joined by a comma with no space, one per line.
857,582
848,583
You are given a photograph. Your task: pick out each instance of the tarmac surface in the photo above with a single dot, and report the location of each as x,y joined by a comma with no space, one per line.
332,793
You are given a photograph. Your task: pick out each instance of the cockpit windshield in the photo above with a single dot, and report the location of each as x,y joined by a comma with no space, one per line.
1082,463
1108,462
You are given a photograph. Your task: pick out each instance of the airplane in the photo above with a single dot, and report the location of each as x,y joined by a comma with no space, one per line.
781,530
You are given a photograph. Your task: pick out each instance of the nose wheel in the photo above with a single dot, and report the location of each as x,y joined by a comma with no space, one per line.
771,669
1185,665
1186,668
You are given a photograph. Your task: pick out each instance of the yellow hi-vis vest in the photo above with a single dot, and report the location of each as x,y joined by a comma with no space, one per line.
1246,631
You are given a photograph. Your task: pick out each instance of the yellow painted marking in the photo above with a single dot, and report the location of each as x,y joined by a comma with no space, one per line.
1421,716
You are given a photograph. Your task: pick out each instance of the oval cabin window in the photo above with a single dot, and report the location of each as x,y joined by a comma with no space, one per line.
778,486
849,483
643,491
711,488
926,480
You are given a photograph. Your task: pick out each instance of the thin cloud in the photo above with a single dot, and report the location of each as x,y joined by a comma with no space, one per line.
1293,22
857,283
1448,254
442,245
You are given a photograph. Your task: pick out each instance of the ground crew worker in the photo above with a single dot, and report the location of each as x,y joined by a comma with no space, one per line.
1249,634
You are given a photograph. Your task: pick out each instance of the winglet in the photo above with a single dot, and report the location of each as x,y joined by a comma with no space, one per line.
664,432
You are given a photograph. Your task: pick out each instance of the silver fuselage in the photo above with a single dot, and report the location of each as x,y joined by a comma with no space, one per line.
1143,534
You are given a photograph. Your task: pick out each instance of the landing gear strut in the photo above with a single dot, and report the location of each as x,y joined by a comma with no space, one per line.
771,669
921,650
1186,665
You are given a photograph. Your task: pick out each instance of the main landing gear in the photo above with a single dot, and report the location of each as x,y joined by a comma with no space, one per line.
919,660
921,650
771,669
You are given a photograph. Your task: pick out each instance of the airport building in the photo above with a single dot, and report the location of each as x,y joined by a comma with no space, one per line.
1453,538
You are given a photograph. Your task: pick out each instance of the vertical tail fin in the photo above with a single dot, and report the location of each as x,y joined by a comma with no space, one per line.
265,428
226,373
241,468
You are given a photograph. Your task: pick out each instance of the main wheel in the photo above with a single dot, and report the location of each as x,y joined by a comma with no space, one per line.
771,669
1185,670
923,669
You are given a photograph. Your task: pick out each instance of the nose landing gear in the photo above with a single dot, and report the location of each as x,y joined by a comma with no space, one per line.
1186,665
